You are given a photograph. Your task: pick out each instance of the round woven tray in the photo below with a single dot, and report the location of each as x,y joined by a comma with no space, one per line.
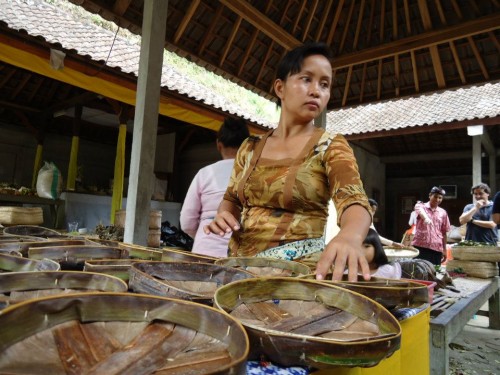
266,266
301,322
192,281
119,333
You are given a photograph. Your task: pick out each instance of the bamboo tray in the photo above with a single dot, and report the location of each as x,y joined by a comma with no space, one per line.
14,263
478,254
390,293
73,257
32,230
21,286
23,246
266,266
117,333
141,252
394,255
115,267
176,255
192,281
483,270
293,321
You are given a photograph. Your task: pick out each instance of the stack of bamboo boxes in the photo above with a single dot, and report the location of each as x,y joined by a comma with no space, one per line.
475,261
154,235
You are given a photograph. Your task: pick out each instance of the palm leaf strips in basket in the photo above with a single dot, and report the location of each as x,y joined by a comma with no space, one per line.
192,281
307,323
17,287
117,333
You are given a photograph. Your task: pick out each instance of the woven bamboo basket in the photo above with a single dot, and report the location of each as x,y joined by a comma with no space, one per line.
293,321
141,252
21,215
32,230
115,267
23,246
74,257
170,254
478,254
266,266
390,293
17,287
483,270
9,238
14,263
10,252
118,333
192,281
394,255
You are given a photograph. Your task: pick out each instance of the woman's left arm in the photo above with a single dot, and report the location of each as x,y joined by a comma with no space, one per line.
354,218
346,248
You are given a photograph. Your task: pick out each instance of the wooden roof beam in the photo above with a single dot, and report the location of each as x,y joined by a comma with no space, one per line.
251,45
259,20
185,21
230,40
121,6
436,59
309,19
335,22
434,37
209,33
323,20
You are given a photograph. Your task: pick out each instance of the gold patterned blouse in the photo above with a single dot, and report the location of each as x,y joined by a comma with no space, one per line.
287,200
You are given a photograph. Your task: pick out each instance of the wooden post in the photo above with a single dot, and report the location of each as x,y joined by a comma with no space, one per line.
145,122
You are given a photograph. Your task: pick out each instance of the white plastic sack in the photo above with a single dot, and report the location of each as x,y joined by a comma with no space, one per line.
49,181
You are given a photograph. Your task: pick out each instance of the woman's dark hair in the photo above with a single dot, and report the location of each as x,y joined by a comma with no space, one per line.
372,202
372,238
292,62
233,132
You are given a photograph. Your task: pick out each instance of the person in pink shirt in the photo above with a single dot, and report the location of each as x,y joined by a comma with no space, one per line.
207,189
431,228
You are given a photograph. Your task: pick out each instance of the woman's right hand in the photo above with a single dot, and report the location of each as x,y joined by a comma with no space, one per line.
224,222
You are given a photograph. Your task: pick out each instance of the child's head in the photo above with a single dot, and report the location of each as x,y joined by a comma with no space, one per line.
375,254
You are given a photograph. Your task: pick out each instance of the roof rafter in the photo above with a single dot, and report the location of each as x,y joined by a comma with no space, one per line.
259,20
434,37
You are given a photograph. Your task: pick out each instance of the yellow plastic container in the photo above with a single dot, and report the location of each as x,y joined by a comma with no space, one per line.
411,359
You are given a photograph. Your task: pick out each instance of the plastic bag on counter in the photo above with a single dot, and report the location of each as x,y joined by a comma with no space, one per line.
174,237
49,181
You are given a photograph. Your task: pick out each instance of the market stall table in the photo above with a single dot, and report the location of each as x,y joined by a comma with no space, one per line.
451,321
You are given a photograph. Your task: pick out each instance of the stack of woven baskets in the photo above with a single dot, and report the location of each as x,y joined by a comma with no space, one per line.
154,235
476,261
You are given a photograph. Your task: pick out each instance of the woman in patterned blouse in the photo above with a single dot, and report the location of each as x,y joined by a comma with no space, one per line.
276,202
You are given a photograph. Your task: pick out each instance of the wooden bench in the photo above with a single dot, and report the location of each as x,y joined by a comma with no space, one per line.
450,323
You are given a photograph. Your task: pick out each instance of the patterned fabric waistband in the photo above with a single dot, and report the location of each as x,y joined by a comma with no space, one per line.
294,250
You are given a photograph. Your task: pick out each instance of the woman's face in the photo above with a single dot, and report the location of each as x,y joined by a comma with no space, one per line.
306,93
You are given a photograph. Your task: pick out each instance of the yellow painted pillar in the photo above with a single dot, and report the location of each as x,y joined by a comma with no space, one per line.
37,165
116,200
72,167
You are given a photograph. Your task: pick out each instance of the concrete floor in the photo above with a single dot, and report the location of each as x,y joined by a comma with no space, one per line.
476,350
